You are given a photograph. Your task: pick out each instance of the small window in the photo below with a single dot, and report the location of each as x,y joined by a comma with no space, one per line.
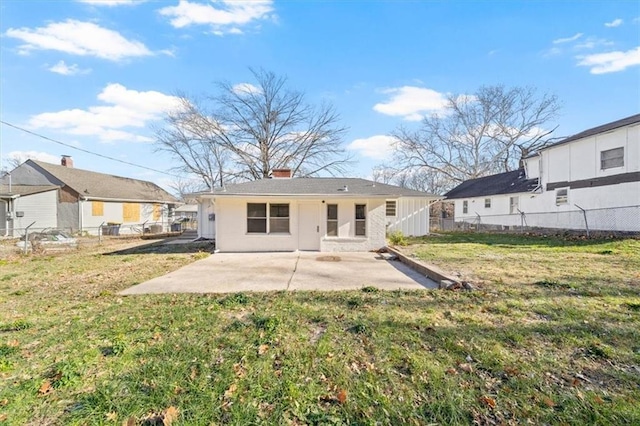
562,196
513,205
612,158
278,218
257,218
361,219
487,203
391,208
97,208
332,220
465,207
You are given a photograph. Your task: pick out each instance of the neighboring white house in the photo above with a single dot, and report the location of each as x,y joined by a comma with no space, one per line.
316,214
61,196
597,170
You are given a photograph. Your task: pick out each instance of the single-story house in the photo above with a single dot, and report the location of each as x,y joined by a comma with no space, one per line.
71,199
316,214
594,173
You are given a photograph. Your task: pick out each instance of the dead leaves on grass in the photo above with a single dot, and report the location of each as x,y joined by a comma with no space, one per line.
164,418
45,388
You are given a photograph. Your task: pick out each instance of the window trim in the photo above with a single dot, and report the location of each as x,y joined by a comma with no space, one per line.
332,221
489,203
288,217
363,220
267,218
387,205
604,160
562,199
465,206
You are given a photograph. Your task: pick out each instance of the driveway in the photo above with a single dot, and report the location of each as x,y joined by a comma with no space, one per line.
236,272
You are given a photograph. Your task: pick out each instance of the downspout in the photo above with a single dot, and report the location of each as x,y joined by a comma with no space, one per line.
80,215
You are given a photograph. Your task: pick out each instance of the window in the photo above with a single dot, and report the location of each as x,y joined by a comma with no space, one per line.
97,208
562,196
332,220
487,203
465,207
612,158
131,212
278,218
157,211
513,205
257,219
391,208
361,219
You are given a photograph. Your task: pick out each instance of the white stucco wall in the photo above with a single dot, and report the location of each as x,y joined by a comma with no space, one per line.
231,225
39,208
113,212
412,217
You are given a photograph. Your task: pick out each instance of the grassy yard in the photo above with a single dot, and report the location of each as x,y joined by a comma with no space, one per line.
551,336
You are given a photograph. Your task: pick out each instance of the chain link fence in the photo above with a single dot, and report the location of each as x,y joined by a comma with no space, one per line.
592,222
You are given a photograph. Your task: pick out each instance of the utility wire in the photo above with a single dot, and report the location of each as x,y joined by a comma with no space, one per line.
86,151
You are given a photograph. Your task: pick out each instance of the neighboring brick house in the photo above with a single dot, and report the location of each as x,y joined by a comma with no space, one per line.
316,214
79,200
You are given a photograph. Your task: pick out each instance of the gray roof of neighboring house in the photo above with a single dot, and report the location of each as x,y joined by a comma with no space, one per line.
634,119
103,186
503,183
23,190
317,186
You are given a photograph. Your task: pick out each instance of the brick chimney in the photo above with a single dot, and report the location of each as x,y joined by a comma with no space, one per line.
281,173
66,161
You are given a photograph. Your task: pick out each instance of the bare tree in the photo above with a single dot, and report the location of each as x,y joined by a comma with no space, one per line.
252,130
478,135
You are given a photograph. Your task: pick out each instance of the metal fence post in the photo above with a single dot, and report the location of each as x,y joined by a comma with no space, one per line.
26,237
584,214
100,232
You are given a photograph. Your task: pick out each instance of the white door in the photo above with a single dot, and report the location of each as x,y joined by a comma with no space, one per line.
309,226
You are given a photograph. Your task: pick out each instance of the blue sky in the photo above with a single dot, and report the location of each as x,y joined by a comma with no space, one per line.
97,74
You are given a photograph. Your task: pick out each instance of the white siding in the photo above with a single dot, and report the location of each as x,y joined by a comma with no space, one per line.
113,212
412,217
39,208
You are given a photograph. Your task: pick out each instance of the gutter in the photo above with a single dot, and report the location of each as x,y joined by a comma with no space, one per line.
120,200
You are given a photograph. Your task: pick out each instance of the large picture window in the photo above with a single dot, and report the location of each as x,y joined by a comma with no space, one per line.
263,220
332,220
257,218
612,158
278,218
361,220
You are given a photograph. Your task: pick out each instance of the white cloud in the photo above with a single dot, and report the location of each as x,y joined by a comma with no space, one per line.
602,63
224,16
411,102
62,68
78,38
22,156
124,108
378,147
567,39
592,43
245,88
614,23
111,2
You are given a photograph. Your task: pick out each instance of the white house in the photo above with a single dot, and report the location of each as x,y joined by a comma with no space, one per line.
594,174
316,214
64,197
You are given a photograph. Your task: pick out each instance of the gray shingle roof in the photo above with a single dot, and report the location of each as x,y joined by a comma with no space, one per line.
25,189
596,130
503,183
103,186
318,186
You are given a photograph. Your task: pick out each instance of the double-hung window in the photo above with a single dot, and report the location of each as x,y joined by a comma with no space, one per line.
562,196
513,205
332,220
612,158
271,220
465,207
361,220
487,203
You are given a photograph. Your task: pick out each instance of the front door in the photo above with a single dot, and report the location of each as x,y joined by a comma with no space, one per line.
309,226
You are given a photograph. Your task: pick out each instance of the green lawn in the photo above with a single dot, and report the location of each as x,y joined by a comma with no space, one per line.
551,336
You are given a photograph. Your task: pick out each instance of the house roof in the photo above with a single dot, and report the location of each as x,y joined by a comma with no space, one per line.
338,187
634,119
93,185
23,190
503,183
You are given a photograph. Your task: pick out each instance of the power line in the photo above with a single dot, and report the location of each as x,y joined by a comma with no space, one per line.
86,151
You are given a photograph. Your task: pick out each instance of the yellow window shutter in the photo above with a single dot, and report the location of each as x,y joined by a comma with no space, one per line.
157,211
97,208
131,212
